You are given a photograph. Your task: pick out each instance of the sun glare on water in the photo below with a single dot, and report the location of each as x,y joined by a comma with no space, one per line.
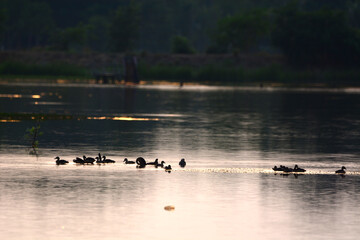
123,118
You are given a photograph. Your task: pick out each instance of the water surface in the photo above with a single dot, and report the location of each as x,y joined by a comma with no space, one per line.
230,137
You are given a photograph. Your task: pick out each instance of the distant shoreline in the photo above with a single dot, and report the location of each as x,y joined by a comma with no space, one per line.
268,86
241,70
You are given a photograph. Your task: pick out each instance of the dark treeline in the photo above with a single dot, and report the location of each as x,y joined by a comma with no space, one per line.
321,32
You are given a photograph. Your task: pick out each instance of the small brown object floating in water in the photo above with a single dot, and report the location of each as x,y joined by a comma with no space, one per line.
169,208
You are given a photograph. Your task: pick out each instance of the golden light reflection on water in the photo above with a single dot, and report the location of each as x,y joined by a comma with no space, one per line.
122,118
10,95
9,120
36,96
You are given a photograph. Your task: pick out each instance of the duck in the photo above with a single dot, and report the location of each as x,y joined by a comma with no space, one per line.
341,171
275,168
141,163
156,162
126,161
105,160
98,160
88,160
288,170
168,168
182,163
160,164
60,161
78,160
297,169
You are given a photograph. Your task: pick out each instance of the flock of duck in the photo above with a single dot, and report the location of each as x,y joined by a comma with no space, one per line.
140,162
296,169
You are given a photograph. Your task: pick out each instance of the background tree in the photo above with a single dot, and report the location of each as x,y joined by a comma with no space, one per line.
181,45
70,39
321,37
2,24
29,23
151,27
124,29
97,33
241,31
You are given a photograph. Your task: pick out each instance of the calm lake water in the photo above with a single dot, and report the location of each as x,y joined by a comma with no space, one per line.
230,138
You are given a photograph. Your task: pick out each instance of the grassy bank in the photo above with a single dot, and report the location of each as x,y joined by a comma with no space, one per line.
11,69
240,75
210,74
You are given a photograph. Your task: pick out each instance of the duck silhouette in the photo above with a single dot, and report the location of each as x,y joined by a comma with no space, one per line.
126,161
182,163
60,161
156,162
107,160
341,171
168,168
78,160
88,160
99,161
281,168
160,164
297,169
141,163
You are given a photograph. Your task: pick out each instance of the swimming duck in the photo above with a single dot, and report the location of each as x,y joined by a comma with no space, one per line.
60,161
126,161
275,168
78,160
156,162
88,160
341,171
281,168
141,163
160,164
98,160
105,160
182,163
297,169
168,168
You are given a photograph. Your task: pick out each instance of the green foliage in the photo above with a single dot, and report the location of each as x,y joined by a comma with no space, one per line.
70,39
124,28
54,69
97,33
32,135
181,45
28,23
2,21
316,38
241,31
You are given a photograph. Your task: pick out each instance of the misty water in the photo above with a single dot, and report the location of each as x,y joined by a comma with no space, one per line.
231,137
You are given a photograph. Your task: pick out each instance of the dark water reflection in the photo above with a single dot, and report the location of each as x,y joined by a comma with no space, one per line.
213,128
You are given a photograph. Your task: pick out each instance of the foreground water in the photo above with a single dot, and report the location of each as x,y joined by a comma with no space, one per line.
230,137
